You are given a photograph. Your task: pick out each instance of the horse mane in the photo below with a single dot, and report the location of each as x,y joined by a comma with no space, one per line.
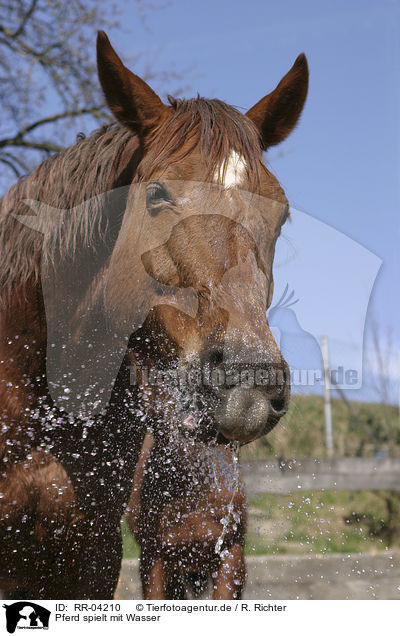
89,168
63,181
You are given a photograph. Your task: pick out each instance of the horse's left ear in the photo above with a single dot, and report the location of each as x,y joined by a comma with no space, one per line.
130,99
276,114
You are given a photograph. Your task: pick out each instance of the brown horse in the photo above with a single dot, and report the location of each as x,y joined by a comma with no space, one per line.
157,233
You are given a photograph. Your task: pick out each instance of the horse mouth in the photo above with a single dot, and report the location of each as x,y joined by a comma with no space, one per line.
207,412
207,428
201,428
236,412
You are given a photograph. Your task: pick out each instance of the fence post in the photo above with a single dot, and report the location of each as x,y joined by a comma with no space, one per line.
398,380
327,398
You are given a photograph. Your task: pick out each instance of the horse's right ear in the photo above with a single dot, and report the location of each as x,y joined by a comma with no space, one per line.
130,99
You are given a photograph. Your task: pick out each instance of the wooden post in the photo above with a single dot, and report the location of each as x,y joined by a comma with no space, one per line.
398,381
327,398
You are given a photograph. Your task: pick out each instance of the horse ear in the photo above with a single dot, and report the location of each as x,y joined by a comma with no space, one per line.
276,114
130,99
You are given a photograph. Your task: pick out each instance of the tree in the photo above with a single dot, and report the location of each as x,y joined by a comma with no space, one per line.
48,79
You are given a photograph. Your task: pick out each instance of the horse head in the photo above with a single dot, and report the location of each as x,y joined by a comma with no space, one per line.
196,250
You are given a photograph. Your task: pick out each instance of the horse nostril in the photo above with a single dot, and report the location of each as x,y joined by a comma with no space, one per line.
279,405
215,357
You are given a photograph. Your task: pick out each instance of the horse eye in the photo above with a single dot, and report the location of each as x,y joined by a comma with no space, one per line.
157,193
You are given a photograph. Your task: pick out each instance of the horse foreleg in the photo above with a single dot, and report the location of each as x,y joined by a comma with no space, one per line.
50,547
231,575
133,509
153,578
99,554
86,566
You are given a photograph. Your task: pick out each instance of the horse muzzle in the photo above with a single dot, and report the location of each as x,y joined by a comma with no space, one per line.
245,414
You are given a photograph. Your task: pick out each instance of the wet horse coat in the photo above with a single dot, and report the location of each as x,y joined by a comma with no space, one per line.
66,472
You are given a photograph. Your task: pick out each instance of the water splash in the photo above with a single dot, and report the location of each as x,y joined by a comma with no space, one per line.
230,511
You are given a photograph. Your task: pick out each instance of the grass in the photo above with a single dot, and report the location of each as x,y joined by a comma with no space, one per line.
131,548
317,522
310,522
362,430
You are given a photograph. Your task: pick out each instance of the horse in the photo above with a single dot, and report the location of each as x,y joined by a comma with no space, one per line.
147,245
190,521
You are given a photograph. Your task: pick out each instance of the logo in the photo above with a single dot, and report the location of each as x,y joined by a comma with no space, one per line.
26,615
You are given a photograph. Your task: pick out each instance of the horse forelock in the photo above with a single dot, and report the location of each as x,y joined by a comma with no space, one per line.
217,129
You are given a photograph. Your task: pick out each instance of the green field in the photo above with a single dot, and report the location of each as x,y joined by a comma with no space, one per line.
320,522
131,548
359,430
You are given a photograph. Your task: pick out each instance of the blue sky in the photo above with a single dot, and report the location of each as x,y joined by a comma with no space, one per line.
341,164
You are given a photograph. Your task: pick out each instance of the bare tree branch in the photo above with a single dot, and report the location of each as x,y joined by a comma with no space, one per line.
11,165
49,89
47,77
25,18
18,139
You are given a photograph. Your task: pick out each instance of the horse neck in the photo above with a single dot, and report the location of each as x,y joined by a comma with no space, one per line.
22,370
23,330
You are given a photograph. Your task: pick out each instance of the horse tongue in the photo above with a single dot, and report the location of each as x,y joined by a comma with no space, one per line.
189,422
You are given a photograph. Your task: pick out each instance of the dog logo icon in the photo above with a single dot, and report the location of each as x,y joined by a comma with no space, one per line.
26,615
